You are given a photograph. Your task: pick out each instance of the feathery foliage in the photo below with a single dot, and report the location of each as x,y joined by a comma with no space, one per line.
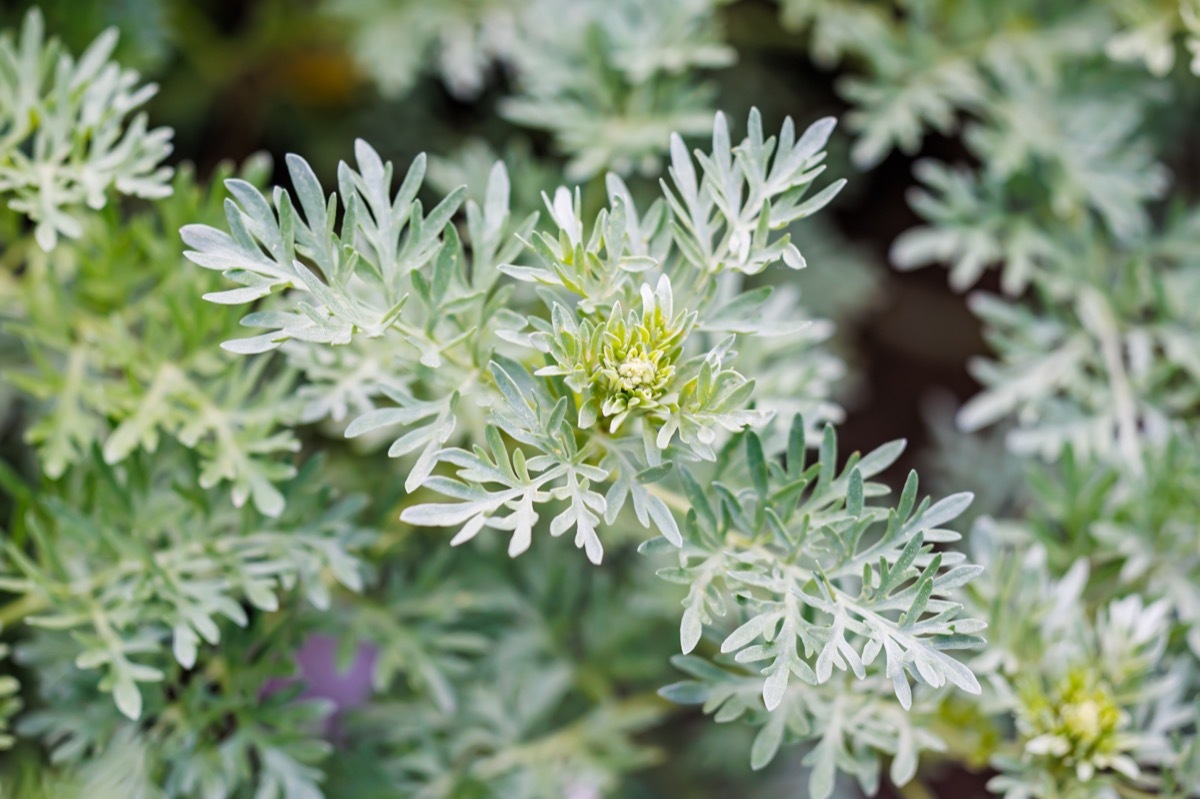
280,502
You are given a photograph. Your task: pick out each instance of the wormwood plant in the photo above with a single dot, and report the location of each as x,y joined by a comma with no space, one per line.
621,388
570,377
200,509
1093,368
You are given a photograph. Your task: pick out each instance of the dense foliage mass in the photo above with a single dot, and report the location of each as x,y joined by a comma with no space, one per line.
265,426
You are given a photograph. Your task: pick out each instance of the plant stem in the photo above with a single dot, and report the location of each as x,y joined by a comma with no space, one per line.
18,609
673,499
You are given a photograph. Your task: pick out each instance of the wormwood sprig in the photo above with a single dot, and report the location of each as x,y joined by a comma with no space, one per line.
615,79
116,357
616,383
802,574
638,384
69,134
202,731
415,314
157,566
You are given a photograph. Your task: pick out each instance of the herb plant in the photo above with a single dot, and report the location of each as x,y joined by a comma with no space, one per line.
269,424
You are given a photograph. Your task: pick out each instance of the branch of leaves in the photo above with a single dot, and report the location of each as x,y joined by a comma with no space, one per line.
501,487
605,108
69,134
811,568
596,271
273,753
357,280
851,727
458,307
431,629
386,250
1097,374
136,590
525,483
783,501
723,218
973,225
521,729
